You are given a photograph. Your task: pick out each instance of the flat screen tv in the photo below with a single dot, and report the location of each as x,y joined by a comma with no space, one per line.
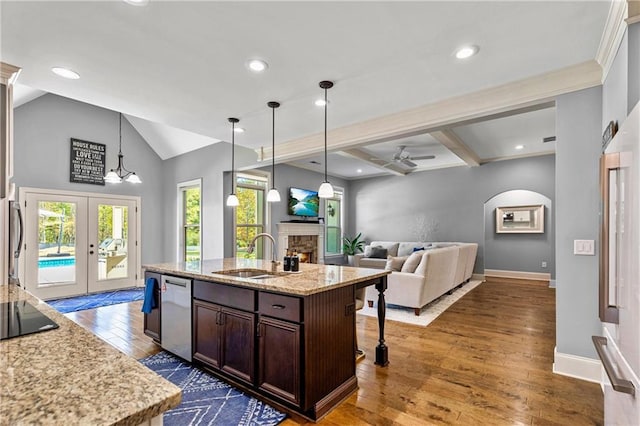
303,202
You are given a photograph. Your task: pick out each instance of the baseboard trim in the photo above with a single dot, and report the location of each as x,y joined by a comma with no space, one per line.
577,367
521,275
477,277
552,283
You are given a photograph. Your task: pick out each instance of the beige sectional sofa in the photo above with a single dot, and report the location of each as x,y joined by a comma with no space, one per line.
440,268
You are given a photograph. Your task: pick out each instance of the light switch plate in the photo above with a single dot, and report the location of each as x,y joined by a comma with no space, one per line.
584,247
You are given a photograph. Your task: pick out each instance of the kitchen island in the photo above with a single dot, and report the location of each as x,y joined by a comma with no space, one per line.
287,338
69,376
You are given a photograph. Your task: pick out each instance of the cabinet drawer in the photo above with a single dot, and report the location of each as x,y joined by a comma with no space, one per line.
279,306
226,295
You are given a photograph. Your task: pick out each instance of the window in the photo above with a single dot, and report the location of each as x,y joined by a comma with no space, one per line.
189,235
333,223
250,214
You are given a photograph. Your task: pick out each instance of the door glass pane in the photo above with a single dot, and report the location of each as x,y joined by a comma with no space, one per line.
56,242
191,220
192,243
333,240
244,235
113,229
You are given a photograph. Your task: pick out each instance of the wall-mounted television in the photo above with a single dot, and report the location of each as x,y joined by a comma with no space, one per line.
303,202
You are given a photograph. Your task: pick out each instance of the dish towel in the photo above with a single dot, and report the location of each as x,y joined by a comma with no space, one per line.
149,303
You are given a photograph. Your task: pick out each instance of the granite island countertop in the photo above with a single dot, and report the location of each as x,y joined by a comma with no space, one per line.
312,278
70,376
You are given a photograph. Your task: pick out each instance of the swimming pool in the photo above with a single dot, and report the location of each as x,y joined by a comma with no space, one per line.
50,262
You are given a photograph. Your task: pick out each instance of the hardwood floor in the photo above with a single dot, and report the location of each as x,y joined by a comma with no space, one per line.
486,361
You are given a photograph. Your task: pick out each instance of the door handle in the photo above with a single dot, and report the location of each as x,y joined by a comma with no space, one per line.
619,384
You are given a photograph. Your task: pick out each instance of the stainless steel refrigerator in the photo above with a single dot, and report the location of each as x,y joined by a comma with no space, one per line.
16,233
619,347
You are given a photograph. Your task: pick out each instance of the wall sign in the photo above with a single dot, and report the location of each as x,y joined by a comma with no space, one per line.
609,133
87,162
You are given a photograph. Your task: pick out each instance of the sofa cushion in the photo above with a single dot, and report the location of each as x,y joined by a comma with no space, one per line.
370,262
395,263
406,248
391,246
412,262
378,252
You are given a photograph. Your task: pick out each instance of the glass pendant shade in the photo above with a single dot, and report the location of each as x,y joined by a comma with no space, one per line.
232,201
326,190
112,177
273,196
133,178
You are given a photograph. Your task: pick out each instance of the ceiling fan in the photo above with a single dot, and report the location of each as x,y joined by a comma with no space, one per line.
402,156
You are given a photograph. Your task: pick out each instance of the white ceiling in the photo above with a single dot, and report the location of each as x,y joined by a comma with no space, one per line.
177,69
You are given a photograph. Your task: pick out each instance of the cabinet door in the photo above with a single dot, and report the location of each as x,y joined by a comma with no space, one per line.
237,345
152,319
279,355
206,332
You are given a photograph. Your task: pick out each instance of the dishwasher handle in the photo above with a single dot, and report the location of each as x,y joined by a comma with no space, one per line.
175,281
618,383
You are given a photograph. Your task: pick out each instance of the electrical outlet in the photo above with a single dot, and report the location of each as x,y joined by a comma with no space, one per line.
544,264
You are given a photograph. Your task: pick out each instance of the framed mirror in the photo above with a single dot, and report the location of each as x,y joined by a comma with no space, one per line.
520,219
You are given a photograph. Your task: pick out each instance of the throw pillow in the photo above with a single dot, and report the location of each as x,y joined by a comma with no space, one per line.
415,249
412,262
378,253
395,263
367,250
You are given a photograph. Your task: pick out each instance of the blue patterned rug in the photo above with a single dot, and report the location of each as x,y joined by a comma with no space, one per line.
97,300
207,400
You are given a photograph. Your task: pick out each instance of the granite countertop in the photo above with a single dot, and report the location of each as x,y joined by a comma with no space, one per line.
311,279
70,376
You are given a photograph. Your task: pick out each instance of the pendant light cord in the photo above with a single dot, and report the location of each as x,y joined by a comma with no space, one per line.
233,159
273,148
120,133
325,135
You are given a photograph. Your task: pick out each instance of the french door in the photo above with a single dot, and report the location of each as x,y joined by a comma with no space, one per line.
78,244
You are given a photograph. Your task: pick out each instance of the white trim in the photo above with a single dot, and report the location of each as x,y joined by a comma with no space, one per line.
612,35
577,367
476,106
552,283
180,216
480,277
537,276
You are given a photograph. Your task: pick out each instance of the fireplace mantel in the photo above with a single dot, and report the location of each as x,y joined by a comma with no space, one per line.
285,229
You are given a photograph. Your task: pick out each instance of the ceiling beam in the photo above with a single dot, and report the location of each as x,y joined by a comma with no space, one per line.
453,143
367,157
527,93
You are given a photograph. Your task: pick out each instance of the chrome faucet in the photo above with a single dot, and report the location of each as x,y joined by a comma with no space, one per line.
274,262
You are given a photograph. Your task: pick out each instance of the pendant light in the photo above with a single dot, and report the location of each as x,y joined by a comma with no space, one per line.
116,175
232,199
273,196
326,190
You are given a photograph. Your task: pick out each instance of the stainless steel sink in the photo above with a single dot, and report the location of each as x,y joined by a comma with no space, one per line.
257,274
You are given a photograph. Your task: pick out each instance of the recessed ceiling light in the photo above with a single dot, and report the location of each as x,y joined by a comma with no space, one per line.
466,52
137,2
319,102
66,73
359,170
238,129
257,65
519,147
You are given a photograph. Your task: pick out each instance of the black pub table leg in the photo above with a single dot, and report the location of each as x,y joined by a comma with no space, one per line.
382,352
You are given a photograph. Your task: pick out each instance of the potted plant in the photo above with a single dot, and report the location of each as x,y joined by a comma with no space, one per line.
352,246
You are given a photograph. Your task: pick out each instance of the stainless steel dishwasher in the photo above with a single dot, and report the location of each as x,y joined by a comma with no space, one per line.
175,324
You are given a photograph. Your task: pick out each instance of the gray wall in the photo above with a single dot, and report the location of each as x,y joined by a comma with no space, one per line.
519,252
42,130
389,208
209,164
633,63
578,132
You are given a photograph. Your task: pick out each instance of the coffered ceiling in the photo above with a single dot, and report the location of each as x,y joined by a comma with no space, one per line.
178,69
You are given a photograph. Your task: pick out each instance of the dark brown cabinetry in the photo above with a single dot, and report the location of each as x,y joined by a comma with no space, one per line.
279,355
152,320
224,339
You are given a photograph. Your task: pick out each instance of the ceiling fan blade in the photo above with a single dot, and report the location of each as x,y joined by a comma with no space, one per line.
408,162
424,157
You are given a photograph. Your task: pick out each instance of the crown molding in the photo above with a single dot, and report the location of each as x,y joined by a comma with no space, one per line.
612,35
8,73
476,106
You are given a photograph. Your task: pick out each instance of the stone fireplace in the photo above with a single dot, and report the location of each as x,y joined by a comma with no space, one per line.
306,238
